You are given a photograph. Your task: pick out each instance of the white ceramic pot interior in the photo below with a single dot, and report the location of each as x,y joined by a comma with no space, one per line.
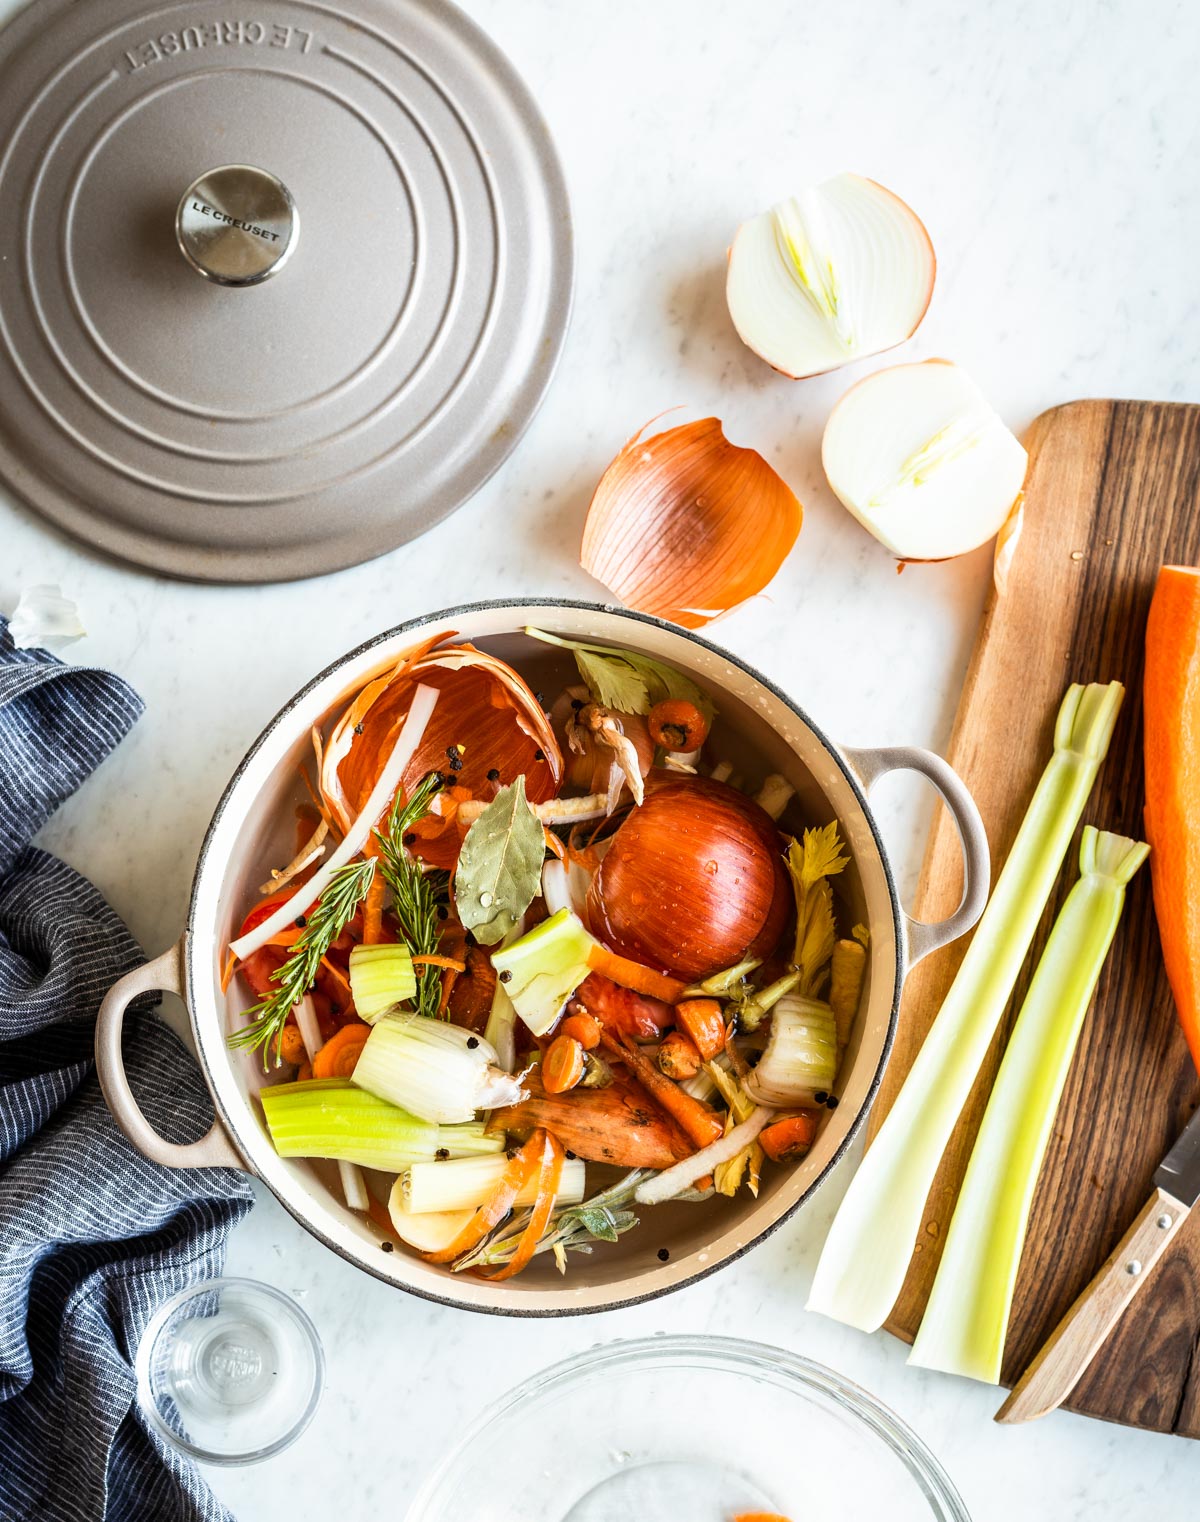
254,830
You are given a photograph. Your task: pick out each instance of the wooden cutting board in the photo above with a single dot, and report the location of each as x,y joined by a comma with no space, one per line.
1113,492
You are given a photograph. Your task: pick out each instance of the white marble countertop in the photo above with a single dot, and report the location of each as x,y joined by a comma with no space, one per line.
1051,151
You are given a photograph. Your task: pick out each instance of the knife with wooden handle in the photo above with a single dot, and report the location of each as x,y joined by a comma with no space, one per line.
1061,1363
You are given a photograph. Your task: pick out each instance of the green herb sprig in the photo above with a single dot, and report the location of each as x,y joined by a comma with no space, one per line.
572,1228
418,897
326,920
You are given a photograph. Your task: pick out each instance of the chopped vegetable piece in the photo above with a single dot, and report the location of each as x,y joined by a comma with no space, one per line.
966,1319
801,1058
291,1045
517,1173
703,1021
339,1056
562,1065
788,1139
629,680
678,1057
620,1009
643,980
333,1119
677,724
583,1028
432,1232
694,1118
550,1170
466,1182
437,1071
1172,748
867,1252
619,1124
381,977
847,969
673,1181
572,1228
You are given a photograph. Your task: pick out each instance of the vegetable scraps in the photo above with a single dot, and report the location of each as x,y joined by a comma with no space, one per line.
488,992
686,525
866,1254
839,272
922,461
1171,703
966,1320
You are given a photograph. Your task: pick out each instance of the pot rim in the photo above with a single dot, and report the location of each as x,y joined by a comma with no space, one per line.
447,615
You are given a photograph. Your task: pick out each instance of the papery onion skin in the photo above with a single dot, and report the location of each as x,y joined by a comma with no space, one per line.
693,881
484,706
685,525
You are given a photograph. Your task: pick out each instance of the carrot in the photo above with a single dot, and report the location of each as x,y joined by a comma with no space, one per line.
1171,699
453,963
378,1213
498,1203
562,1066
304,1073
790,1138
550,1166
700,1123
372,911
339,977
583,1028
678,1057
643,980
619,1124
677,724
337,1057
701,1019
291,1045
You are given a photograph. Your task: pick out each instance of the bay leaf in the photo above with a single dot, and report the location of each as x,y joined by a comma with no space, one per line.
500,865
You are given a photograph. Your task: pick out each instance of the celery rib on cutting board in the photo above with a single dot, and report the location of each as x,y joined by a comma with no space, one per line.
866,1255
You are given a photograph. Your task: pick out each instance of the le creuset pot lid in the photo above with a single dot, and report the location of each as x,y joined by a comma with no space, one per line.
280,285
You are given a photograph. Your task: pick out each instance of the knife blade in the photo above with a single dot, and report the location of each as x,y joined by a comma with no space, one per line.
1065,1356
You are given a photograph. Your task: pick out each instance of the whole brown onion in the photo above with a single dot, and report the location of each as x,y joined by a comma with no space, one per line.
693,881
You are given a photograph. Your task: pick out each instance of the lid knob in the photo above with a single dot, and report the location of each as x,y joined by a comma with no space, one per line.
237,225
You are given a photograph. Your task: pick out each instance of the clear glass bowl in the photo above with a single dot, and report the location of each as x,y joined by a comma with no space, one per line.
230,1371
702,1428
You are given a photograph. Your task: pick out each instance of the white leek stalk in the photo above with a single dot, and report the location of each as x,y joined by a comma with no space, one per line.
545,968
436,1071
381,977
866,1254
801,1058
966,1320
354,1185
412,732
463,1184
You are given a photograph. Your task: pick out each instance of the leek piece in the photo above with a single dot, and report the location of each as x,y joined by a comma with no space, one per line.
331,1118
801,1059
866,1254
545,968
380,978
354,1186
966,1320
434,1070
425,1188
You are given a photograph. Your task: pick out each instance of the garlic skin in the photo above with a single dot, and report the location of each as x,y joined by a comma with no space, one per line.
839,272
45,620
923,462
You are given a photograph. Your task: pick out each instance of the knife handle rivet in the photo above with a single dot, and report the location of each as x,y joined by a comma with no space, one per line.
1164,1221
1133,1267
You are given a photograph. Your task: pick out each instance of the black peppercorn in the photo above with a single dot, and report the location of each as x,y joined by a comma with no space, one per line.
539,754
301,921
831,1103
358,729
506,976
494,774
387,1246
472,1043
820,1096
442,1154
663,1254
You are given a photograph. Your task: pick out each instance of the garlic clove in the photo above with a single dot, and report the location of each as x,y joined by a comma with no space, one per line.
841,271
922,461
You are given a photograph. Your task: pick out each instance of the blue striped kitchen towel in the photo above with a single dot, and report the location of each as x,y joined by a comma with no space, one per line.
93,1238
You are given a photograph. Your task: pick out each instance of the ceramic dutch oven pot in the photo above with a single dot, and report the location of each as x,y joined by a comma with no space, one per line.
252,829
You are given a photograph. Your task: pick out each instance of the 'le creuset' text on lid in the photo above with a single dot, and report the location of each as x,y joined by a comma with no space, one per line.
280,287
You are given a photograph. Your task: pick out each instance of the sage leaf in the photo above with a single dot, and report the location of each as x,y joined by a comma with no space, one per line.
500,865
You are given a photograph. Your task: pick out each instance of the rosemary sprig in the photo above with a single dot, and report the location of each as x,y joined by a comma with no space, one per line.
417,896
572,1228
326,920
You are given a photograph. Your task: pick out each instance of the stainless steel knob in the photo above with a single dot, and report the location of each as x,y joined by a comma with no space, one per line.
237,225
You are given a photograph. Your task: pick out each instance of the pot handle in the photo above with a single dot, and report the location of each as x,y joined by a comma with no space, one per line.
166,973
920,936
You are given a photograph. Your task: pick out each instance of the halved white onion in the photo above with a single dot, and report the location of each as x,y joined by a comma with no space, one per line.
922,461
432,1232
841,271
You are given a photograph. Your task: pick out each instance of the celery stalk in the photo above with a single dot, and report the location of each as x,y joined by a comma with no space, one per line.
332,1118
866,1254
966,1320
